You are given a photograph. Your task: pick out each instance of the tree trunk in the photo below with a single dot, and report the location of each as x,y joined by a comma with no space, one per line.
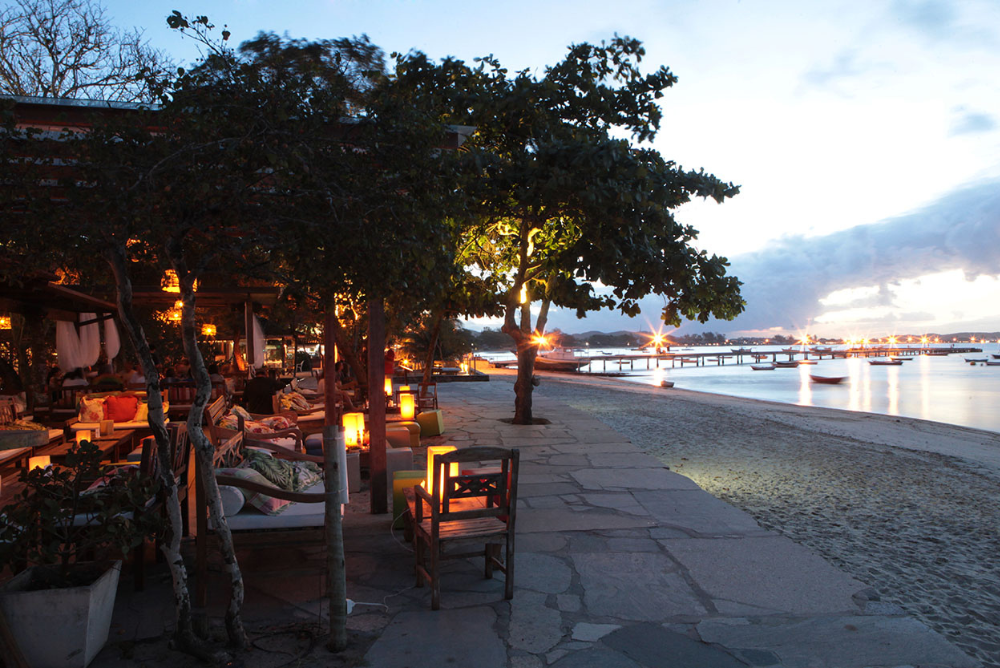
435,333
348,353
376,406
205,451
524,385
39,358
184,636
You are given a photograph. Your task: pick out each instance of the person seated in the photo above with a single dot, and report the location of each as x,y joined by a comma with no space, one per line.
342,382
214,375
134,374
340,395
259,392
75,378
182,369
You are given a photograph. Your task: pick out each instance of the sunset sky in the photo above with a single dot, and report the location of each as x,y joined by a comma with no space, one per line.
864,135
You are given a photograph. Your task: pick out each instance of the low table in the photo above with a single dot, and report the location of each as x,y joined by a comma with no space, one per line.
113,447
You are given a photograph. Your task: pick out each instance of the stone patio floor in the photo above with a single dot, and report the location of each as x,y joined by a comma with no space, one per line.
620,563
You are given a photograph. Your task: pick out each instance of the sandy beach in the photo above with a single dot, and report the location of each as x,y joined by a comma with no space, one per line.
906,506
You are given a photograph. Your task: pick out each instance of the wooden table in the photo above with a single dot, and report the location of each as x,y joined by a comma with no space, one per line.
113,447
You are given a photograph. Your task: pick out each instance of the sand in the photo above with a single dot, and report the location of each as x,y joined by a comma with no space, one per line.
907,506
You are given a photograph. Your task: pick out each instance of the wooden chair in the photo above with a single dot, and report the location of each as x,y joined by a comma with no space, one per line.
427,396
472,508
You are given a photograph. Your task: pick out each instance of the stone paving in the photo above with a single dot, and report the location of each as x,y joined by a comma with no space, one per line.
621,563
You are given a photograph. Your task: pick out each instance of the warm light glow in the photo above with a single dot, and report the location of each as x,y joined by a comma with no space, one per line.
354,429
174,315
524,293
39,462
464,367
407,406
208,330
83,435
170,282
4,322
388,387
923,339
539,340
438,450
892,340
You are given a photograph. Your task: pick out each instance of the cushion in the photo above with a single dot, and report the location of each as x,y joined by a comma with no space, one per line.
262,502
232,500
141,412
91,410
120,409
290,476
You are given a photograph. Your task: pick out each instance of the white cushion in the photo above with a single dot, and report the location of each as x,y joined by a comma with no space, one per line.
294,516
96,426
232,500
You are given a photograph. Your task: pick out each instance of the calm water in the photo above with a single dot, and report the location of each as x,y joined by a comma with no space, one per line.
943,389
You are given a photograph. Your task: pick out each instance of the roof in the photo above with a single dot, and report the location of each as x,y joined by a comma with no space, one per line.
57,302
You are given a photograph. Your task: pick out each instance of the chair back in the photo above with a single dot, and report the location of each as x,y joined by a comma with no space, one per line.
214,412
181,393
8,410
68,398
497,486
229,452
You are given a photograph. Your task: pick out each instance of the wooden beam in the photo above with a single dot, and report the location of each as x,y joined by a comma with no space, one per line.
376,406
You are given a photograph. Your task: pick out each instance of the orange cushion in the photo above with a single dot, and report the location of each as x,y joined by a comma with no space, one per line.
120,409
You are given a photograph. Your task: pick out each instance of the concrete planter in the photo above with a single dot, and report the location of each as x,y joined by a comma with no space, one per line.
60,628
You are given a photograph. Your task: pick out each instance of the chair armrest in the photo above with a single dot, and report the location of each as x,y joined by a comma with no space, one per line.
284,453
294,432
276,492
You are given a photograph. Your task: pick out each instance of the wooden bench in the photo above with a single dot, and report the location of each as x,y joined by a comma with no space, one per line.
475,507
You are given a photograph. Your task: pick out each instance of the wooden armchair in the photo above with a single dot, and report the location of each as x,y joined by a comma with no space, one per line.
473,508
427,396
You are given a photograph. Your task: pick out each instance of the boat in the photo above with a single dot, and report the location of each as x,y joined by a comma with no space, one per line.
762,367
791,351
560,359
996,356
741,351
786,365
900,359
997,363
821,351
886,362
760,356
975,360
827,380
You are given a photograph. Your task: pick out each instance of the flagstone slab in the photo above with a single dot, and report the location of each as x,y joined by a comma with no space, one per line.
624,460
527,491
465,637
595,658
697,512
636,586
586,519
534,627
657,647
768,572
612,445
838,642
542,573
632,479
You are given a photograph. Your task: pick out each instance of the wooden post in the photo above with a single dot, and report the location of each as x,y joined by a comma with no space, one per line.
376,405
332,412
248,317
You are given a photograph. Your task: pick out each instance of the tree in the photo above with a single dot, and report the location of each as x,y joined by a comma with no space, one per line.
69,49
567,204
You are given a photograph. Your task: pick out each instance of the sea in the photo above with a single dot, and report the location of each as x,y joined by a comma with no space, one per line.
946,389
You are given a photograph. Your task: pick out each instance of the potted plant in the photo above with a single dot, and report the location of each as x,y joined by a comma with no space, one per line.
58,605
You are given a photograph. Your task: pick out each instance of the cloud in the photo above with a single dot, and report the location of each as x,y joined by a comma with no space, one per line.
941,21
845,67
785,283
970,122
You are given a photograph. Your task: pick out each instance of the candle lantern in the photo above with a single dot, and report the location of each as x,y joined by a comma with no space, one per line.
354,428
438,450
407,405
388,387
83,435
39,462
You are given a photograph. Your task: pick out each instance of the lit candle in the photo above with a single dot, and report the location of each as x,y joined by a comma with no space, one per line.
438,450
407,406
39,462
354,426
388,387
82,435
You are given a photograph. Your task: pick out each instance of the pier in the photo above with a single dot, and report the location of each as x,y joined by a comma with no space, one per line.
721,358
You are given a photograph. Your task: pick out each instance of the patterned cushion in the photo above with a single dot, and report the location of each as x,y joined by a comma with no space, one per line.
262,502
290,476
91,410
141,412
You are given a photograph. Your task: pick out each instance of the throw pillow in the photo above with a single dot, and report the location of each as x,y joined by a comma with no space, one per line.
91,410
290,476
120,409
141,412
262,502
232,500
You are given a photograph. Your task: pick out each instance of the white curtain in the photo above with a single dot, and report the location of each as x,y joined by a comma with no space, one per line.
112,343
90,339
258,344
68,346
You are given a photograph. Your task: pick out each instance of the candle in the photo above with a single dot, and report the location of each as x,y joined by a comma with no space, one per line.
438,450
82,435
407,405
354,428
39,462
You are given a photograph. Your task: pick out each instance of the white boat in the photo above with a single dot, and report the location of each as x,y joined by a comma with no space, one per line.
886,362
560,359
762,367
741,351
975,360
791,364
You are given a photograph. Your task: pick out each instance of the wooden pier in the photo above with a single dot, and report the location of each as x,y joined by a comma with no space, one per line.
721,358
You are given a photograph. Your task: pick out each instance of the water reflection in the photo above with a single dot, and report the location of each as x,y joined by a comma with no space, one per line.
805,387
924,364
893,390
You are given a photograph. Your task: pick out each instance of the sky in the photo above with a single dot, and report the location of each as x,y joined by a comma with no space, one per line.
864,135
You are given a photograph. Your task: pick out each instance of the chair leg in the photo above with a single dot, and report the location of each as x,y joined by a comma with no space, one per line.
418,557
435,577
488,553
508,589
139,567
